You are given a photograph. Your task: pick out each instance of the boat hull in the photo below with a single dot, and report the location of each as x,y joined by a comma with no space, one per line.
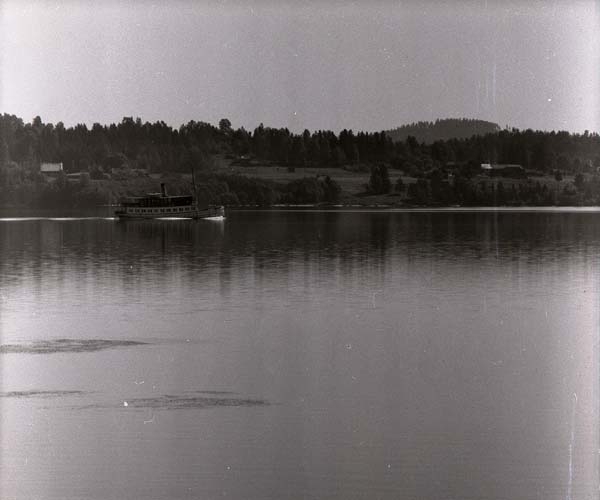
169,212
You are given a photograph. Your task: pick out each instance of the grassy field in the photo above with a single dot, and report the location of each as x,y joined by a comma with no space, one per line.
351,182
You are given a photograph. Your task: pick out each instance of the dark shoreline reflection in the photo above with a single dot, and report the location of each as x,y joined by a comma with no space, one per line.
267,237
263,250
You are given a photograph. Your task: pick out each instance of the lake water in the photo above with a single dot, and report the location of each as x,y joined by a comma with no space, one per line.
301,355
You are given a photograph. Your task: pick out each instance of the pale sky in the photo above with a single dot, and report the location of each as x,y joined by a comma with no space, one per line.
316,65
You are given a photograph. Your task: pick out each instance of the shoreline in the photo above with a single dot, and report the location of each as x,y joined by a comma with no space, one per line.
100,213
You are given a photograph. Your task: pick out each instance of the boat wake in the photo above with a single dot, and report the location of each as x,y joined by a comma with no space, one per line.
203,400
180,402
56,219
39,394
67,345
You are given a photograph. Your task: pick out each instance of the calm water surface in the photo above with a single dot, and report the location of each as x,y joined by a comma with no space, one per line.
282,355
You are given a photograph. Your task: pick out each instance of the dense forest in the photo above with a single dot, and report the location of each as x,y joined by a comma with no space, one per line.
443,172
443,130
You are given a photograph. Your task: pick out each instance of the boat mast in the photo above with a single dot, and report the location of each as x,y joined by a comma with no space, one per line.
195,190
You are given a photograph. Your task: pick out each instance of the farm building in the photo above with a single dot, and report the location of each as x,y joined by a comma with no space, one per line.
503,170
51,170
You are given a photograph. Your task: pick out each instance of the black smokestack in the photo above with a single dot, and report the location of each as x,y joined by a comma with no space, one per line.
163,189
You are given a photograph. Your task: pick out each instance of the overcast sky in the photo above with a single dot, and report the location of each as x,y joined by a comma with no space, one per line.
322,65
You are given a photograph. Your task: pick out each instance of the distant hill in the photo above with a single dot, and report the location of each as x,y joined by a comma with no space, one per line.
449,128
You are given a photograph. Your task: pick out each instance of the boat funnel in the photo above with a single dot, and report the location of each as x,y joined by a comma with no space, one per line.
163,189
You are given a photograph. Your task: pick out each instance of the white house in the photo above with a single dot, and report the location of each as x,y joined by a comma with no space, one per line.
51,169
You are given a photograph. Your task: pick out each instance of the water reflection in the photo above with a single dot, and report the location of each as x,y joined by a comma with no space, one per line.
421,355
287,254
271,239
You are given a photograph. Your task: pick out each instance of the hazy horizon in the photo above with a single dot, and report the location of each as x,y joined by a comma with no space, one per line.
320,66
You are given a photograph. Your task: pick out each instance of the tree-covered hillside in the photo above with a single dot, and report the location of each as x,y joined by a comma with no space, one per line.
160,148
443,130
115,154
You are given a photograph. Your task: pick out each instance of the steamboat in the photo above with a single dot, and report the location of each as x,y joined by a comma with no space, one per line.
160,205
